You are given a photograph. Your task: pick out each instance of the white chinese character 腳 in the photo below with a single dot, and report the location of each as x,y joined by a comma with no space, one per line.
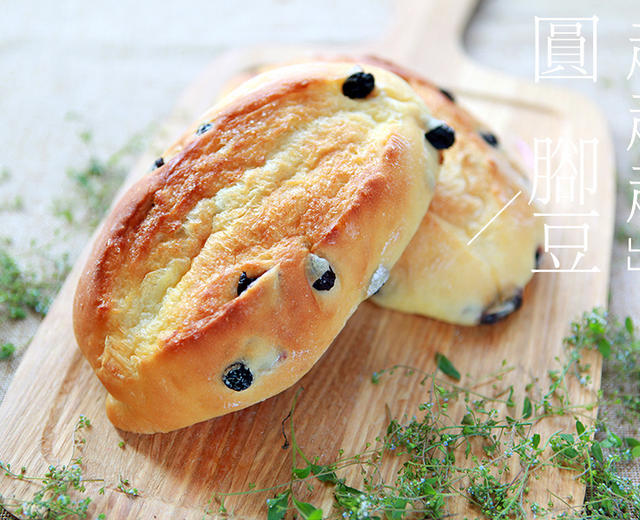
568,52
565,170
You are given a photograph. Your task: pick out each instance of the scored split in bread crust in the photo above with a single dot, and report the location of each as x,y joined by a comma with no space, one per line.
289,168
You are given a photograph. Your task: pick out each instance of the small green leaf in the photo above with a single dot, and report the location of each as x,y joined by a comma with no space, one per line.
628,324
302,472
631,442
604,347
277,506
447,367
398,509
580,428
510,402
307,511
324,473
614,439
342,488
635,452
526,408
535,440
596,451
7,350
567,437
375,378
570,453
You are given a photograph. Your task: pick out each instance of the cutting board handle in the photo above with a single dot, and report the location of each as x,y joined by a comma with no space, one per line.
425,32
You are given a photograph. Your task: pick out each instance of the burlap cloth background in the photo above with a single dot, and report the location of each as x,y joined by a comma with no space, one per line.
114,68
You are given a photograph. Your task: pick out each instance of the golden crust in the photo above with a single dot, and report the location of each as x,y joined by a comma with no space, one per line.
290,168
442,276
439,275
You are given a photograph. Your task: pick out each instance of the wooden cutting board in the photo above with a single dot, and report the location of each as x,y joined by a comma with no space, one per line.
339,406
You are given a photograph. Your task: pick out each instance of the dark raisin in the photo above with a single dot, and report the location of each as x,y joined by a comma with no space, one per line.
244,282
500,311
203,128
447,94
238,377
538,257
358,85
326,281
441,137
158,162
489,138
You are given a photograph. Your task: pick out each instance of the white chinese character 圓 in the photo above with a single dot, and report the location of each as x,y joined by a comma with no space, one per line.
566,48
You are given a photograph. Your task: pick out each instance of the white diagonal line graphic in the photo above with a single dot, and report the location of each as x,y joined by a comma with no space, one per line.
494,217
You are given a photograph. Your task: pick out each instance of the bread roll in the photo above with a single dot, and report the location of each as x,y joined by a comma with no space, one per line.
221,277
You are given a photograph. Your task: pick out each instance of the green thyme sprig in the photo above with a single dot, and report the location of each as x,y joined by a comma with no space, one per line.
489,457
55,498
22,291
95,184
59,490
6,350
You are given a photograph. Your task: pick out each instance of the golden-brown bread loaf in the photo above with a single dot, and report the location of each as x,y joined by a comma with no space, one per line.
221,277
440,274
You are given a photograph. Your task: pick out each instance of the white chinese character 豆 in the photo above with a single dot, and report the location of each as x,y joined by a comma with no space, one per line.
564,242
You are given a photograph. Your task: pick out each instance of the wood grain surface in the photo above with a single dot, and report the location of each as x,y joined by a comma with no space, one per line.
339,407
